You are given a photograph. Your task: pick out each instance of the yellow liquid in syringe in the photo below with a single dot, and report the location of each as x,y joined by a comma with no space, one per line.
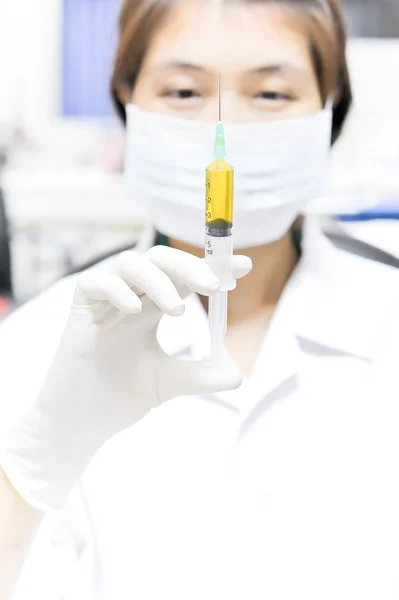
219,198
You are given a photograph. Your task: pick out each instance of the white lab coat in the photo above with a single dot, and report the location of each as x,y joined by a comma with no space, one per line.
288,488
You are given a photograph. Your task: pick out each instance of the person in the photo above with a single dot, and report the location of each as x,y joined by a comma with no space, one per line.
158,473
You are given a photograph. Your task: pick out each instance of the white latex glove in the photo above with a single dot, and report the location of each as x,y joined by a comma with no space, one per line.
109,370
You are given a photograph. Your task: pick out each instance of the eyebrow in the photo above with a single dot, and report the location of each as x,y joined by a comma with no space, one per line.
181,65
263,70
276,68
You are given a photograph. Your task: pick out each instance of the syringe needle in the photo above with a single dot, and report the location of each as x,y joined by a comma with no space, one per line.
220,99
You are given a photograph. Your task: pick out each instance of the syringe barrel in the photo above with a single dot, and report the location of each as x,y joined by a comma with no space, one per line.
218,253
218,322
219,221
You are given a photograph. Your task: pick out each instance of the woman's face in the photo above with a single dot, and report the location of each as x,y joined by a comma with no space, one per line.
264,62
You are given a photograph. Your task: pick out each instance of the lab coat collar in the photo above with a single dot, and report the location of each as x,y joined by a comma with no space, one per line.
333,300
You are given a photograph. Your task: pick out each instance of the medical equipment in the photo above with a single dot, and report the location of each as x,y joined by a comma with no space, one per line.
219,233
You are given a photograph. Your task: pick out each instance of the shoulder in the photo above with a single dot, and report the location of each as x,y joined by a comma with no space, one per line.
379,280
369,273
371,289
371,284
353,269
342,299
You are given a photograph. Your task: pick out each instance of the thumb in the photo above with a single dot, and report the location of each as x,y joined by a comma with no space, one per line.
187,378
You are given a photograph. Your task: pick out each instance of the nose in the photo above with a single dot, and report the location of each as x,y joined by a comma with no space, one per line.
235,109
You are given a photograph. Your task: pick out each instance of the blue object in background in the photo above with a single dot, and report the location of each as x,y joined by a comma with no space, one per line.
89,41
387,210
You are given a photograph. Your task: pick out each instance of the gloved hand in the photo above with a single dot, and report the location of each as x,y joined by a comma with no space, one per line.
109,370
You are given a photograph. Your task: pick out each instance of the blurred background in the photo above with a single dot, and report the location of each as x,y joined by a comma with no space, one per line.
61,148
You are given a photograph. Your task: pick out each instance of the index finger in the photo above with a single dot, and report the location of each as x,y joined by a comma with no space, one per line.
184,268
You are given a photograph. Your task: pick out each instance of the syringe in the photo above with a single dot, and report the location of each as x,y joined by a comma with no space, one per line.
219,233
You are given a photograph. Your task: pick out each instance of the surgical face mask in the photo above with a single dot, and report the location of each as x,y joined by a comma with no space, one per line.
279,166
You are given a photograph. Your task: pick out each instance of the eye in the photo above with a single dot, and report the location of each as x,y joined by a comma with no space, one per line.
272,96
182,94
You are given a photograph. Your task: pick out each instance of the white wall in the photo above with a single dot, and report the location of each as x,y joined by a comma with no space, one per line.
366,159
374,65
29,60
5,67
